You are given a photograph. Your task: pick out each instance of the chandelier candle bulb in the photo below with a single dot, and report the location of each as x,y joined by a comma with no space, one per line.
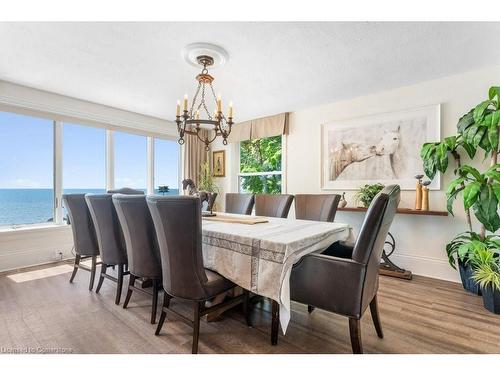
219,104
197,115
230,110
185,102
178,109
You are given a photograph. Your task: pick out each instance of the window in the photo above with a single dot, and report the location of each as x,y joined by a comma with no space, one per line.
260,165
26,165
166,162
130,161
84,156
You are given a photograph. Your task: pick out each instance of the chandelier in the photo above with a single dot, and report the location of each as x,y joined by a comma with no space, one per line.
198,117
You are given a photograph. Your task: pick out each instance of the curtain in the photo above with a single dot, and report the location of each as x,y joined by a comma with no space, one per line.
194,156
259,128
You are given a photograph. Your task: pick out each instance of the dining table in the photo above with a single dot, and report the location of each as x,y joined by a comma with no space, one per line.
258,253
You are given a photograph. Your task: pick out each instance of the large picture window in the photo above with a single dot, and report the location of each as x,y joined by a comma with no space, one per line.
84,159
26,170
130,161
260,166
166,174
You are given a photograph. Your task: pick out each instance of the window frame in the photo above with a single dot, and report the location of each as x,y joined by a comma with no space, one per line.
58,160
281,173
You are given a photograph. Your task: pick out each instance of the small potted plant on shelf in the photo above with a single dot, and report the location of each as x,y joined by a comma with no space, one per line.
480,192
367,192
486,266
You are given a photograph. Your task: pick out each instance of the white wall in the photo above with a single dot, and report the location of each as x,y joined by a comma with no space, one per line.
29,246
420,239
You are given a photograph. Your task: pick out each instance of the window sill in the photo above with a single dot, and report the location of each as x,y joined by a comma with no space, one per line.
32,228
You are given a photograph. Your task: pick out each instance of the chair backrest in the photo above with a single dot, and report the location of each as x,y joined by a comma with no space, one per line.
177,221
82,226
318,207
371,239
239,203
273,205
125,190
107,228
138,229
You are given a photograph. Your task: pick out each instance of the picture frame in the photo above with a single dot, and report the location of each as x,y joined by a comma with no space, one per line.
219,163
380,148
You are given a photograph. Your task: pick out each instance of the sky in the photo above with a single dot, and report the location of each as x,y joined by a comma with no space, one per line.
26,156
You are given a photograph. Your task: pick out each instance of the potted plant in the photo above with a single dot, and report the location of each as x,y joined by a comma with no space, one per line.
486,266
480,192
367,192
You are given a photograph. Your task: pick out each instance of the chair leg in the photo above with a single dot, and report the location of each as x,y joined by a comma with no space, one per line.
275,323
104,267
355,332
376,317
92,272
310,308
163,315
131,281
246,308
119,284
155,301
196,326
75,268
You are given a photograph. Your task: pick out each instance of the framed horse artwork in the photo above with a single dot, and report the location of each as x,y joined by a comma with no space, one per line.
381,148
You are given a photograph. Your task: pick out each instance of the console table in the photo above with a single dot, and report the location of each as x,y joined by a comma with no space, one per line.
387,267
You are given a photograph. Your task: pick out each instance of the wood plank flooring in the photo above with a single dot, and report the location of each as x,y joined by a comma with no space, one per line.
419,316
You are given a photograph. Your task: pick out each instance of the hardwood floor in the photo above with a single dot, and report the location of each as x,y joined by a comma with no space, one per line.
419,316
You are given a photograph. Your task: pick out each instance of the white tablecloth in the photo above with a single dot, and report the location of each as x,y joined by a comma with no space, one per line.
260,257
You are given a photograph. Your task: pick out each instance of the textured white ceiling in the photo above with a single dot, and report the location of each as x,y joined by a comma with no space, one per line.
273,67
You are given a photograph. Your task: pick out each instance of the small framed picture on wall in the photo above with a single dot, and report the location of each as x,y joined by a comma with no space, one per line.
219,163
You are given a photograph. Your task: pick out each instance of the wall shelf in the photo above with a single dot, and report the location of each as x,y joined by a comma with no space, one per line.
404,211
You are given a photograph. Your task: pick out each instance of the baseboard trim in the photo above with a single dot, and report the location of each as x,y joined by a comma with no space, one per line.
426,266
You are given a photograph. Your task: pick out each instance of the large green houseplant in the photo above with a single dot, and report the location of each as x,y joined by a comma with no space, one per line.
477,130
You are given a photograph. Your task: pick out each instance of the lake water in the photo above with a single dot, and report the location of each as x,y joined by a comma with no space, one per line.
30,206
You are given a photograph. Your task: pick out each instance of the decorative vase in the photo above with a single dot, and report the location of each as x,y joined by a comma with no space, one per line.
342,202
491,299
425,198
418,196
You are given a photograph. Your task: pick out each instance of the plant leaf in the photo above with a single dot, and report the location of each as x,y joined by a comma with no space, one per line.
486,209
480,109
470,194
494,91
465,170
465,121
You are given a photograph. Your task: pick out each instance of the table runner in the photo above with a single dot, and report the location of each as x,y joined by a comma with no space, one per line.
260,257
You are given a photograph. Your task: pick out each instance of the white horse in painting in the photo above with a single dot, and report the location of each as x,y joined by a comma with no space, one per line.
359,161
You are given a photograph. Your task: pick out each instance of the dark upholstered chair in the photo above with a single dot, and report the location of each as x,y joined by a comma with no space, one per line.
347,286
318,207
126,190
177,222
109,238
239,203
273,205
84,236
143,254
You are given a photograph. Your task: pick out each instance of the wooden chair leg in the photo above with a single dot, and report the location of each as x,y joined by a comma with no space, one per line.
310,309
196,326
275,323
92,272
131,281
163,315
376,317
104,267
246,308
75,267
155,301
119,284
355,332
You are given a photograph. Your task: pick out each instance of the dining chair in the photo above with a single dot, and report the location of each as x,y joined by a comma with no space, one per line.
126,190
177,220
84,237
237,203
109,238
143,254
318,207
348,285
273,205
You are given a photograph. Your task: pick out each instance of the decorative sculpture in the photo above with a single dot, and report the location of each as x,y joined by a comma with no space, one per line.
425,195
418,192
204,196
342,202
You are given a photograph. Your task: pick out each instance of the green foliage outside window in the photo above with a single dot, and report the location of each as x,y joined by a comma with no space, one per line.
261,155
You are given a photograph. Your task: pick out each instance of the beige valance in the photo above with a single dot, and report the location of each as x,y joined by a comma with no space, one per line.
259,128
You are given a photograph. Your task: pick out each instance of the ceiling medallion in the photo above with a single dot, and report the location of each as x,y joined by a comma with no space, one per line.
197,116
